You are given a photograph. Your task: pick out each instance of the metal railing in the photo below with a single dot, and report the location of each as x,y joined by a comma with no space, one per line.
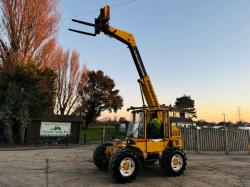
194,139
210,139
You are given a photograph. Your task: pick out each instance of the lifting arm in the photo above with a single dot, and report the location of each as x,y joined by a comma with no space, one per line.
102,25
144,80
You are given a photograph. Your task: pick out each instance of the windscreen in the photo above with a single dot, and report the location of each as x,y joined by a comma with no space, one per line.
136,127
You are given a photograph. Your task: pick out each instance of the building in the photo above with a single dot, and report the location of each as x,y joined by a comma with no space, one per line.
55,129
123,125
180,118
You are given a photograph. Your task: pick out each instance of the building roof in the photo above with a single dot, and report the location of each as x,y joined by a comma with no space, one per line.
123,119
60,118
172,108
181,120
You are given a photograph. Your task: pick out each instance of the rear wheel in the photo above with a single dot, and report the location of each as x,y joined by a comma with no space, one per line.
124,166
99,157
173,162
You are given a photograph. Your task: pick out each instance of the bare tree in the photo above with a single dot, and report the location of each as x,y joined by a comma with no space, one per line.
27,29
69,77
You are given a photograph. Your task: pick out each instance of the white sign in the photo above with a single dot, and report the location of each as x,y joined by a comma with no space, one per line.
55,129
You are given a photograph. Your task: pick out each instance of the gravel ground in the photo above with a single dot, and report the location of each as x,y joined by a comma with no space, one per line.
74,167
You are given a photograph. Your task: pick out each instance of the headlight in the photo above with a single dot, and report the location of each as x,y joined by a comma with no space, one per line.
130,142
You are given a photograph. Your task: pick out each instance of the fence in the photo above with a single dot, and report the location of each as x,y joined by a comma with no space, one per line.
210,139
199,140
101,133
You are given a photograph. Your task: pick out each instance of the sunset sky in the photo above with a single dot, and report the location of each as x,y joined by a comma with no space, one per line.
194,47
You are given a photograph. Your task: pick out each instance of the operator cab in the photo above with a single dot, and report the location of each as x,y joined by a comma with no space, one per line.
151,126
156,124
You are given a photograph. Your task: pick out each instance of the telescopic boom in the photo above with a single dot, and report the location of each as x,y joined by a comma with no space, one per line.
102,25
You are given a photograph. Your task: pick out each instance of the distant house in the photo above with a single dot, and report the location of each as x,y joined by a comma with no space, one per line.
123,125
180,118
247,124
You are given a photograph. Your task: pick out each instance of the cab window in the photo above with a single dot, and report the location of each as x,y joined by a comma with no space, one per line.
155,125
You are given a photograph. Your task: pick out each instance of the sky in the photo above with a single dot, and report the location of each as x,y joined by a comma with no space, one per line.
196,47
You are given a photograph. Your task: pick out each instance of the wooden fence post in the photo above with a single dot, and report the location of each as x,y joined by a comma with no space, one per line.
249,142
226,141
84,137
197,140
103,134
185,137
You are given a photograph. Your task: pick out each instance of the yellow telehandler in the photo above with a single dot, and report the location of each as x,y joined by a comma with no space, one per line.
150,137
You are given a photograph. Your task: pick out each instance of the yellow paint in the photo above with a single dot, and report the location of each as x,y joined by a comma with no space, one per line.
121,35
149,92
176,137
153,146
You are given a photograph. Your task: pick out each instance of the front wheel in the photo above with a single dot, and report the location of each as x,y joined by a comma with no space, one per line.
124,166
173,162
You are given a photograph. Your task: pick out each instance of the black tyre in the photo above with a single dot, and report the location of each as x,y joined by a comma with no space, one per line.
99,157
173,162
124,166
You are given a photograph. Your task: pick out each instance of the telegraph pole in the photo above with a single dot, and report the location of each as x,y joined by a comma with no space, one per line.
224,117
239,113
